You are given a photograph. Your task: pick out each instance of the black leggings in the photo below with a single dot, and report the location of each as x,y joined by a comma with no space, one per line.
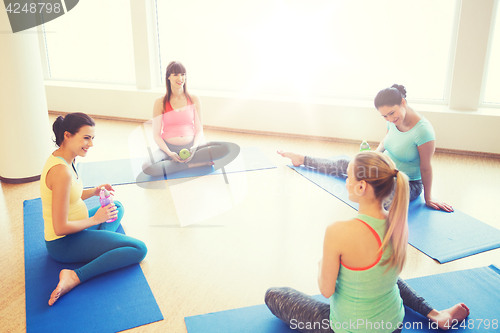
159,163
337,167
300,311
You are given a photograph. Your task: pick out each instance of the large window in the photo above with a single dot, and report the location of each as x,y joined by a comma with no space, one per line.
91,43
322,48
492,88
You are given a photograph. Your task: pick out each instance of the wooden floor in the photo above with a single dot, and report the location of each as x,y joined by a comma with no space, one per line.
265,228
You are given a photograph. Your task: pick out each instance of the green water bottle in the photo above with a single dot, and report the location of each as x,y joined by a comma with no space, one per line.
364,146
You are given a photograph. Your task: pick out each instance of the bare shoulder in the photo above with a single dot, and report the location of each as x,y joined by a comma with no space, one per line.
339,228
338,236
58,175
158,106
59,170
159,101
194,98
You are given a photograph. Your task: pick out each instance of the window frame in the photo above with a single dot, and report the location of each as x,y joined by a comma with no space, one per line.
151,74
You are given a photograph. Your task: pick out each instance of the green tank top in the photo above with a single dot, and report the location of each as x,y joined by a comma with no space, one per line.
367,299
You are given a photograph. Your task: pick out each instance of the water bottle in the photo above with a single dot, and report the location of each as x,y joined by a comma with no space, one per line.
105,199
364,146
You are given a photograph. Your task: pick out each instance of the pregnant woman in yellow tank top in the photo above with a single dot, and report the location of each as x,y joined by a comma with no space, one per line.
73,233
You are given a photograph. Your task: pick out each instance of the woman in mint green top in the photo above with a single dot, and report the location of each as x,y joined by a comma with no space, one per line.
367,294
362,258
410,141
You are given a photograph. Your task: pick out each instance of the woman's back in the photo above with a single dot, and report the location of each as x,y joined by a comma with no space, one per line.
366,298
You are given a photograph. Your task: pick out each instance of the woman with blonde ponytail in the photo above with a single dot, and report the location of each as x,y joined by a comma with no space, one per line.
362,258
383,176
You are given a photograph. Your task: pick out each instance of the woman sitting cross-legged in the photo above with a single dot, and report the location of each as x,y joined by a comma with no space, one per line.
362,258
73,233
177,127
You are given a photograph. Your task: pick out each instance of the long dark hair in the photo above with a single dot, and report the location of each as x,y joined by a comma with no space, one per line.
71,123
390,96
174,67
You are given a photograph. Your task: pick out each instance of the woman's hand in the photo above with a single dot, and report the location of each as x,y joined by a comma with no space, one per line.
174,157
105,213
192,151
97,189
439,205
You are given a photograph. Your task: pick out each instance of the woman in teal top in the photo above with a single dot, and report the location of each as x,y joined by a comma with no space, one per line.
410,142
362,258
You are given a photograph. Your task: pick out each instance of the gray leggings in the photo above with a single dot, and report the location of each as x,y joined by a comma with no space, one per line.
159,163
299,310
338,168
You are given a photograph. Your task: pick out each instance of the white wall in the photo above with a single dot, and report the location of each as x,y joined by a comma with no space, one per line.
464,126
24,126
355,120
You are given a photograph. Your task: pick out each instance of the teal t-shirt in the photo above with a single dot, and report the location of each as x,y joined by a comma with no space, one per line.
367,300
401,147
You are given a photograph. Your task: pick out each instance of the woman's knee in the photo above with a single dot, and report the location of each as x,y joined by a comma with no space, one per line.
146,164
219,150
142,250
119,206
157,157
272,294
415,190
270,297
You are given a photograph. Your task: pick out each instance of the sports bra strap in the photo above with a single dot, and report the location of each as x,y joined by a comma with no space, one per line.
377,237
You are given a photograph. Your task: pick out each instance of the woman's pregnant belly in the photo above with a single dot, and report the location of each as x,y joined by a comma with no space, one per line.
180,140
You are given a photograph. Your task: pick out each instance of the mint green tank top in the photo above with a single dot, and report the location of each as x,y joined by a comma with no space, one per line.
367,299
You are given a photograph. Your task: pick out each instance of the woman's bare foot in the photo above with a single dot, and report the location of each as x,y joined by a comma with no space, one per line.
449,317
195,165
297,160
67,281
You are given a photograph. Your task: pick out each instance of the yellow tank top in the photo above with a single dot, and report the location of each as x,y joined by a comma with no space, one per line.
77,208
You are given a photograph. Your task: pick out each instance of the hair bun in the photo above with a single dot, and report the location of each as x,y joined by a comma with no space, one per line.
400,88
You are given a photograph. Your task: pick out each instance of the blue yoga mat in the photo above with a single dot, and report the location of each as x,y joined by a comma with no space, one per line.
111,302
440,235
129,171
478,288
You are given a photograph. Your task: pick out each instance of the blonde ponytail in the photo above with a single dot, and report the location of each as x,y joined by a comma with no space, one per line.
397,224
382,182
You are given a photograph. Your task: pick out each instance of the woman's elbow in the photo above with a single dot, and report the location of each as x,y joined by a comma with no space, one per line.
157,138
424,170
59,233
59,230
327,291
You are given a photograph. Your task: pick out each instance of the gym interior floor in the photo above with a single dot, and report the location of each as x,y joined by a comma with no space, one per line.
266,228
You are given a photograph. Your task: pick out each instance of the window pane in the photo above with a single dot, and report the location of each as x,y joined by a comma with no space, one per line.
492,91
321,48
92,43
